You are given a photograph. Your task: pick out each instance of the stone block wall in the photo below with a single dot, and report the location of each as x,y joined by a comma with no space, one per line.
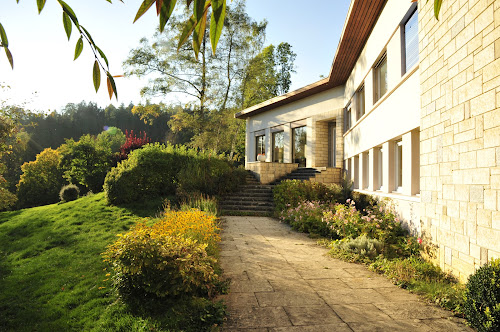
321,144
329,175
460,131
268,172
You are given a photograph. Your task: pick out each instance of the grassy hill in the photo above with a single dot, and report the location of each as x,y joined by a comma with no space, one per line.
52,277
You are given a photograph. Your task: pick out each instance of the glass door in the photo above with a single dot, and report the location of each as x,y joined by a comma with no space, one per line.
278,146
299,145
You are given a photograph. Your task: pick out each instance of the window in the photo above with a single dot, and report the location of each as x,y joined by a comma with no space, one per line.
398,158
347,119
278,146
366,169
260,145
356,172
380,169
299,146
360,102
411,41
380,78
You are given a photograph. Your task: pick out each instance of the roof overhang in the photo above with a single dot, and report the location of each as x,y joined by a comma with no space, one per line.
361,19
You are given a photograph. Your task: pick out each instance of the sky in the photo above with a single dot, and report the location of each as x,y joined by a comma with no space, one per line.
45,77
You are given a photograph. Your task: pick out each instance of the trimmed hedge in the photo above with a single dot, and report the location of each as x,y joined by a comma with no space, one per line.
158,170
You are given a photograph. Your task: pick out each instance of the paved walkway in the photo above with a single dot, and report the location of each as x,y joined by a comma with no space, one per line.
282,281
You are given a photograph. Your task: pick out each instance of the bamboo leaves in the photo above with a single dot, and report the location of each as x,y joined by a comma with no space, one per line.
217,21
67,25
5,43
437,8
78,48
40,4
96,76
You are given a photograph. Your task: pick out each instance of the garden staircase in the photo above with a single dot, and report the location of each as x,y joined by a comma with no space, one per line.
252,198
302,174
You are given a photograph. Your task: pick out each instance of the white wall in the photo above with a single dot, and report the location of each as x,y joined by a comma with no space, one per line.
398,114
383,32
302,109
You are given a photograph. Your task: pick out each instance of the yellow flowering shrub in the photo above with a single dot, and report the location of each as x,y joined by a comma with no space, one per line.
193,224
169,258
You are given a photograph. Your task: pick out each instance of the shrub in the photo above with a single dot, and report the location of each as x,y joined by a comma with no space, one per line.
85,163
361,248
131,143
41,180
69,193
307,217
200,202
406,271
482,298
344,220
148,172
290,193
197,225
167,259
211,176
363,201
7,199
157,170
112,138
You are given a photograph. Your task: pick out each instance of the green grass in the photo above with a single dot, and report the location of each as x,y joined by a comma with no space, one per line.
52,277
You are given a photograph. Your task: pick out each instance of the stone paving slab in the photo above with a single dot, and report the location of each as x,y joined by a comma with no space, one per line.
282,281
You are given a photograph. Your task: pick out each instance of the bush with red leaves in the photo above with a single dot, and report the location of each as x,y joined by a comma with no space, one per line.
133,142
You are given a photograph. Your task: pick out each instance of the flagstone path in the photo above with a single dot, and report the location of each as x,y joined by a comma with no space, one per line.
282,281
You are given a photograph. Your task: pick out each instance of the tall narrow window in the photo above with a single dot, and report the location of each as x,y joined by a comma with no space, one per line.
380,169
360,102
278,146
411,41
380,78
299,146
347,120
398,158
260,145
366,170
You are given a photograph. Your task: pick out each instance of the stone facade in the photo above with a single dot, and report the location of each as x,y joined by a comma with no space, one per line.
460,131
329,175
268,172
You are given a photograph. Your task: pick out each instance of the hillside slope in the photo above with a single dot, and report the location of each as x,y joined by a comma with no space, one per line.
52,277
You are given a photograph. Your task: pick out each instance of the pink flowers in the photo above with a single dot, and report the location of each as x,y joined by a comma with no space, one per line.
419,240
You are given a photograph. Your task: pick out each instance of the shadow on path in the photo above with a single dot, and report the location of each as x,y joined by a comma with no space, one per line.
282,281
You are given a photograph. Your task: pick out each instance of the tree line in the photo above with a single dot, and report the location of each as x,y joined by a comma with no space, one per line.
212,87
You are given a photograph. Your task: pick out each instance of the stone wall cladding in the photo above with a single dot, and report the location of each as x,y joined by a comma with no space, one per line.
460,131
268,172
330,175
321,144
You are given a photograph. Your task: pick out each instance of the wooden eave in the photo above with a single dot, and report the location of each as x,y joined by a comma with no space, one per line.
361,19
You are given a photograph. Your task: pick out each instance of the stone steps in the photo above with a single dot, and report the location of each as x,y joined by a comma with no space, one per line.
252,198
302,174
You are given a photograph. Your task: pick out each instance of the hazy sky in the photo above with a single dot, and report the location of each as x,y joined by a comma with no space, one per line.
43,58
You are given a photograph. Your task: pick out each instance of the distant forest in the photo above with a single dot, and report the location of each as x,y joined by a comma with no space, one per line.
51,130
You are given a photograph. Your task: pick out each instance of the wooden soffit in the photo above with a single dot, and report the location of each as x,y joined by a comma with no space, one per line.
361,19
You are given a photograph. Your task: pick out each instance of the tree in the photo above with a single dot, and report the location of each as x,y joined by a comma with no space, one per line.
85,163
211,84
41,180
268,75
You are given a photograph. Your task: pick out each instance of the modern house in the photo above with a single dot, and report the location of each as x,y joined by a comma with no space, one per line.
410,111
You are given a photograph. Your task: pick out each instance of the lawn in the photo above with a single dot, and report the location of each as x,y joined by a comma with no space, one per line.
52,277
